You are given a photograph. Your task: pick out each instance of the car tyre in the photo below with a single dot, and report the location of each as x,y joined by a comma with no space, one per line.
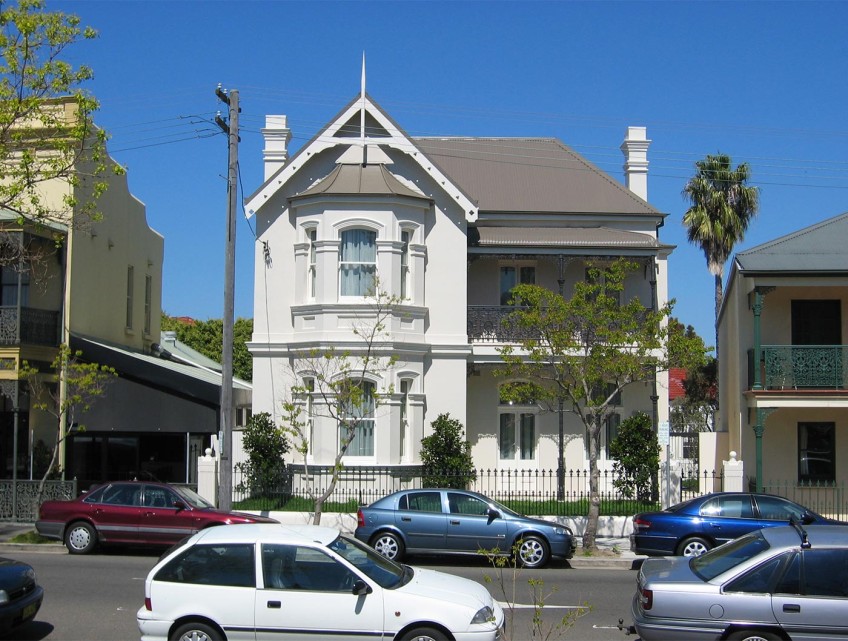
693,546
752,635
424,634
533,552
80,538
389,545
196,631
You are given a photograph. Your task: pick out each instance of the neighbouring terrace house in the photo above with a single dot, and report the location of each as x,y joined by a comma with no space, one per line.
784,365
99,290
450,225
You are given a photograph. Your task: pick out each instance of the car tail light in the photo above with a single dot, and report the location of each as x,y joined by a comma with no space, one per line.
640,524
148,604
646,598
360,519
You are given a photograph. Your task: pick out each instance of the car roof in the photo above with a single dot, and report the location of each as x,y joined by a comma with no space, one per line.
817,535
267,533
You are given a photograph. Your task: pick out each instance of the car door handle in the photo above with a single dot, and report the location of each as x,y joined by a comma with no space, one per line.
454,522
406,518
791,607
275,605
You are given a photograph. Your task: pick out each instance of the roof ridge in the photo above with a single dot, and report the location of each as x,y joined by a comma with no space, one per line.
804,231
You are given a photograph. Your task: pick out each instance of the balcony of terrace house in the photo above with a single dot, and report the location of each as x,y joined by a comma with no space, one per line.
28,326
793,368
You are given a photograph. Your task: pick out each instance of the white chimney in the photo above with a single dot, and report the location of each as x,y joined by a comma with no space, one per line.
635,148
277,137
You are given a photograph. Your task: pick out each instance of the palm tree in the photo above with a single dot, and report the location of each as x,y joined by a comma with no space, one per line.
722,206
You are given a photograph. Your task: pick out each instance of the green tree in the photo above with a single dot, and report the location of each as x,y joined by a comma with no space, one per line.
446,455
636,452
722,205
582,352
207,337
41,138
685,348
337,386
83,384
264,472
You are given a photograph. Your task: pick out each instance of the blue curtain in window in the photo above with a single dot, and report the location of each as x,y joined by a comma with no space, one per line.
358,264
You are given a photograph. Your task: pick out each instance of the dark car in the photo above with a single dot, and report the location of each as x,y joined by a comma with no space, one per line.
447,521
693,527
132,512
773,584
20,595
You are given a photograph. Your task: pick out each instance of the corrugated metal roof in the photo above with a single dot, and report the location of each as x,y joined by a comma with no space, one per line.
822,247
595,237
350,179
530,175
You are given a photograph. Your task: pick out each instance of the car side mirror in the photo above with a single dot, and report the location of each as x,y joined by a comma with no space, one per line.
493,514
180,505
807,518
360,587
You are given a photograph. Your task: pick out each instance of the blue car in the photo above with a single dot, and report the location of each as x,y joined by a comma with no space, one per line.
447,521
695,526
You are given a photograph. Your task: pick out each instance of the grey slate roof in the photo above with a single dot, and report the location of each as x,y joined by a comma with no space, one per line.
530,175
822,247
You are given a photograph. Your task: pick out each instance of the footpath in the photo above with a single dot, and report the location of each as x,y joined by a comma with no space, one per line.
613,552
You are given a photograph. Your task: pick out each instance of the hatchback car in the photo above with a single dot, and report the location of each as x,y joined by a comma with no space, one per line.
774,584
132,512
446,521
693,527
305,582
20,595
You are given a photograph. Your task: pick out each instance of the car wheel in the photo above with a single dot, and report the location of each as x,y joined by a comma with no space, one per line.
533,552
196,632
693,546
80,538
752,635
389,545
424,634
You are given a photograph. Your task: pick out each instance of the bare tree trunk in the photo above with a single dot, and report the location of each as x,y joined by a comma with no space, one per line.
594,488
39,495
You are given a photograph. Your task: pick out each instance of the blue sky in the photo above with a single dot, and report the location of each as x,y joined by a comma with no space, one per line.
762,81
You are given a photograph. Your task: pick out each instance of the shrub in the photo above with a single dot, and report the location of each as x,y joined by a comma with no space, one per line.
446,455
264,472
637,457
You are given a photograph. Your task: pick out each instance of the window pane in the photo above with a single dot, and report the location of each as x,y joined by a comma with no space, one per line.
826,572
528,275
424,502
507,436
230,565
464,504
528,437
815,452
507,283
358,262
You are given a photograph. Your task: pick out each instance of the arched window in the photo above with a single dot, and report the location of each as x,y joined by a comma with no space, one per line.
357,262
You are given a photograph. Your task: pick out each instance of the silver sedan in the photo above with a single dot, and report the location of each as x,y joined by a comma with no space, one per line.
775,584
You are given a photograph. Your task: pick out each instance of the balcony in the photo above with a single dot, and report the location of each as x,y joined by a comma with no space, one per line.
27,325
793,367
493,324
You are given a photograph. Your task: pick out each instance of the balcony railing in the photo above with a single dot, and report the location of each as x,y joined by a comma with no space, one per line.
805,366
493,324
37,326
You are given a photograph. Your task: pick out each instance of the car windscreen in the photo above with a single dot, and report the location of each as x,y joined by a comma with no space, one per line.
192,498
384,572
725,557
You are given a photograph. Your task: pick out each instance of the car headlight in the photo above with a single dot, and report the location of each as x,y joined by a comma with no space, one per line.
561,531
484,615
4,597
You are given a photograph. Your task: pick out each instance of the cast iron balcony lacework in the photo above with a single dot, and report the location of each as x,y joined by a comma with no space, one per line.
805,366
494,324
37,326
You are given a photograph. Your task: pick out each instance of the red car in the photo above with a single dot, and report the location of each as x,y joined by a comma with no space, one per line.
132,512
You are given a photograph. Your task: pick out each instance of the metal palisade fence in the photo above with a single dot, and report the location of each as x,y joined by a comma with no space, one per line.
534,492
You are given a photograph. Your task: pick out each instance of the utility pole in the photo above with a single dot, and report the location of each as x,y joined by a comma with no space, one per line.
225,472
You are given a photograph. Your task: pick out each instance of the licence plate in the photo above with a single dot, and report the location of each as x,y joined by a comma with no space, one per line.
30,611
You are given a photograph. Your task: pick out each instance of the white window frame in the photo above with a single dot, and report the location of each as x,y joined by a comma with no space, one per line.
405,417
312,262
405,264
363,422
357,263
518,414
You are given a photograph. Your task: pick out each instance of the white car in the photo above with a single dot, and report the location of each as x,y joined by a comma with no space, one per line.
269,581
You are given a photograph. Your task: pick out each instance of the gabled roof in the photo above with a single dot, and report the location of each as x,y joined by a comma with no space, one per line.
530,175
819,248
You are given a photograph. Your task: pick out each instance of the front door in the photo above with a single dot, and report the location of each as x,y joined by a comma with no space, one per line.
308,594
161,521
